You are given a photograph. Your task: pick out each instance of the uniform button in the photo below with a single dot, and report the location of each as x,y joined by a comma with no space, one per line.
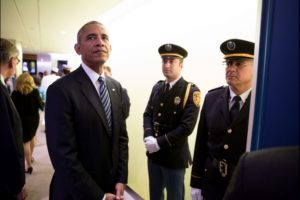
229,131
161,104
159,114
175,112
156,134
226,146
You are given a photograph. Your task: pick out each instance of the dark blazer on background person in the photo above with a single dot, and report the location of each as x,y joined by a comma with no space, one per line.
88,159
126,103
218,138
266,174
12,174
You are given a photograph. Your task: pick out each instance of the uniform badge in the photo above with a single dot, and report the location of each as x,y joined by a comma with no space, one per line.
168,47
196,98
177,100
231,45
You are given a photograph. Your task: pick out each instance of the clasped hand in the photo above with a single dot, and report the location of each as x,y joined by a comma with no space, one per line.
196,194
151,144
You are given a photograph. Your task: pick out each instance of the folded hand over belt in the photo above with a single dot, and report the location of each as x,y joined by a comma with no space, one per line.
151,144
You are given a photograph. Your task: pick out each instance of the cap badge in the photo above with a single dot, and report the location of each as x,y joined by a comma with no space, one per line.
231,45
177,100
168,47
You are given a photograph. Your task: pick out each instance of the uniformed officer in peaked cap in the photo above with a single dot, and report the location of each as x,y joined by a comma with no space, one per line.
169,118
222,130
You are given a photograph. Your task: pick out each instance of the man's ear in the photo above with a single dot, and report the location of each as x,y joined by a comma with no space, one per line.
77,48
10,63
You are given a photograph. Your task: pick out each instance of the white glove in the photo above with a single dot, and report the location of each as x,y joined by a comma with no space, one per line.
151,144
196,194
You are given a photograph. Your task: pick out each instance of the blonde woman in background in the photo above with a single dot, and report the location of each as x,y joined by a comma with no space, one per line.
28,102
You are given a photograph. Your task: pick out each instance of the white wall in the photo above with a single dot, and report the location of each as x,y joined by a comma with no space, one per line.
138,28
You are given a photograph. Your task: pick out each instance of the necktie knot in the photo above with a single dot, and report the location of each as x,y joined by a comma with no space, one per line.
236,99
167,87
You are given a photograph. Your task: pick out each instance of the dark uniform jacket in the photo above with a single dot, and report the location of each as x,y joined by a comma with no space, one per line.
218,139
87,157
171,122
12,175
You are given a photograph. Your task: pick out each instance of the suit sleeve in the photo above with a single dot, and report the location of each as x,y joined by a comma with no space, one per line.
148,117
200,151
62,146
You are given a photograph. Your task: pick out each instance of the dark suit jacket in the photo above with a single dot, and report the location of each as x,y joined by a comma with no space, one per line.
266,174
126,103
87,158
12,176
215,131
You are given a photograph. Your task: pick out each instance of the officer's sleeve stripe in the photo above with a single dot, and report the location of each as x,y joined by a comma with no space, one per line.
168,140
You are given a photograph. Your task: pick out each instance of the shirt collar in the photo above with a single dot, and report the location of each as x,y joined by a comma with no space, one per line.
92,74
243,96
2,79
173,82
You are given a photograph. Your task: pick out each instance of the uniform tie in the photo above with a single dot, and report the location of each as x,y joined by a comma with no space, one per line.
105,100
235,109
167,87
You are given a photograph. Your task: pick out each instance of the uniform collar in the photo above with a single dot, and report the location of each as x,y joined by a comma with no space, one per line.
173,82
243,96
92,74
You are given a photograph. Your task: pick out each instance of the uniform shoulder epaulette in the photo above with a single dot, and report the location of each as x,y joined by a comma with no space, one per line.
218,88
158,84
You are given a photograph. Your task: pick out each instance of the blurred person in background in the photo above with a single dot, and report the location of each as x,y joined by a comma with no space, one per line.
49,79
28,101
126,100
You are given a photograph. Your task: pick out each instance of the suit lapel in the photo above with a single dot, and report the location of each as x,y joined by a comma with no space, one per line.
223,105
89,91
7,96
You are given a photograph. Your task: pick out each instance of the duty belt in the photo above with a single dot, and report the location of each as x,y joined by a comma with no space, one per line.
157,127
223,166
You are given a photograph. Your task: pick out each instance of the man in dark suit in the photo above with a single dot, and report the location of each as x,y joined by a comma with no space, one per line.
169,119
222,130
86,133
266,174
12,169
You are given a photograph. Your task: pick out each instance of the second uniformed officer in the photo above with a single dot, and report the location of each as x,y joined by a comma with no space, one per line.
169,119
223,125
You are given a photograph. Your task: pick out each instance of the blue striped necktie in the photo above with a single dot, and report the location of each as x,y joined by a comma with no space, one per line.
105,100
